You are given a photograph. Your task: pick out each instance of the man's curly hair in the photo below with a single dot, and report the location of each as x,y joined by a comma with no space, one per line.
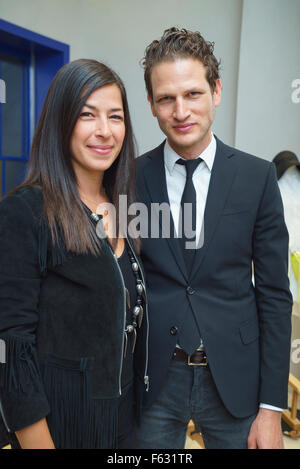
180,43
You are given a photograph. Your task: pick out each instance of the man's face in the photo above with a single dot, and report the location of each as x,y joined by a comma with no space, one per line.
184,104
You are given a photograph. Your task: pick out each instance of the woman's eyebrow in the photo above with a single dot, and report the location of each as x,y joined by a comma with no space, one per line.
90,106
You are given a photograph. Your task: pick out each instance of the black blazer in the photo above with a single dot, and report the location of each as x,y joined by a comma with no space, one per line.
62,320
245,328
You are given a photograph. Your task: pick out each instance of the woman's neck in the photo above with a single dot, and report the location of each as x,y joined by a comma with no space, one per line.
91,191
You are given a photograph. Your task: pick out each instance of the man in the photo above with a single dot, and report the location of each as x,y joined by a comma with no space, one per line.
219,346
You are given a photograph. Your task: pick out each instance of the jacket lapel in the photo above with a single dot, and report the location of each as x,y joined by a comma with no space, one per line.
222,176
155,181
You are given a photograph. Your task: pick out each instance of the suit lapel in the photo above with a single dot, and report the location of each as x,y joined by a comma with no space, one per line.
222,176
155,181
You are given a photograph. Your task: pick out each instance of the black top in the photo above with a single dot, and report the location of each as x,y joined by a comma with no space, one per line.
126,414
130,284
62,322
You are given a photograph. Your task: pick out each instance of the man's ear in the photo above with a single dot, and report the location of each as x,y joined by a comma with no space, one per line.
151,104
218,92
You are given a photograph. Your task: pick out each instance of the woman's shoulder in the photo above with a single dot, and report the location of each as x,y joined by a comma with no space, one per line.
26,200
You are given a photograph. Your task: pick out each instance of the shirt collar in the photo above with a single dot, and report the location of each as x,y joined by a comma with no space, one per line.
208,155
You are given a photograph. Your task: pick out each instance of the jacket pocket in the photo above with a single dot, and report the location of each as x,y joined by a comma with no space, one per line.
77,420
236,207
81,364
235,211
249,331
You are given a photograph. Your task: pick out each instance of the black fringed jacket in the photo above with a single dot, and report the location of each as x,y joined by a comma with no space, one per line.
62,322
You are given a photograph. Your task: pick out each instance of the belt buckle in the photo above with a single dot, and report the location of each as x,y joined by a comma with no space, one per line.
197,364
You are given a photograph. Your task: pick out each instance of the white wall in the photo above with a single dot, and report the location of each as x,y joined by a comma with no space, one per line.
267,119
257,41
117,32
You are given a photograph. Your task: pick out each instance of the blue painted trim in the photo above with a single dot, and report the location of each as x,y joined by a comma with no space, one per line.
25,144
26,107
30,36
46,67
13,158
3,179
6,49
50,55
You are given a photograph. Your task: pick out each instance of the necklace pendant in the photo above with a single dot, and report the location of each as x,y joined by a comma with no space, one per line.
134,340
95,216
140,316
127,298
144,295
125,344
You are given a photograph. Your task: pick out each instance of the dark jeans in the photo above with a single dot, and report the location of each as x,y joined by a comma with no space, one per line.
189,393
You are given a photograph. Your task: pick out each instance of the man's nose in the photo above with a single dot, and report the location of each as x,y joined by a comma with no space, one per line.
181,111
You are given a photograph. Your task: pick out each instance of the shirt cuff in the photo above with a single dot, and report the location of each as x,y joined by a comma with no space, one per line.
270,407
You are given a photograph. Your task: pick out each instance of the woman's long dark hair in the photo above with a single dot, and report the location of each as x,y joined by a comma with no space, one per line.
50,166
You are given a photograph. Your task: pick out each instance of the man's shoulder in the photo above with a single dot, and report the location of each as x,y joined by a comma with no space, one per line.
156,152
242,154
244,157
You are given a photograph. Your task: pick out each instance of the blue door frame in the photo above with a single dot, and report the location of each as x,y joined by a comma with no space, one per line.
49,56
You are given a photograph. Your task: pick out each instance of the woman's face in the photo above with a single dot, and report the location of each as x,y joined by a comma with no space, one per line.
99,132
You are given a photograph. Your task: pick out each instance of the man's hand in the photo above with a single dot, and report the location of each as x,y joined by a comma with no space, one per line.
265,432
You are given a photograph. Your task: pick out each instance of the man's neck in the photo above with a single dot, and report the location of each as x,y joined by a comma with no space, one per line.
194,152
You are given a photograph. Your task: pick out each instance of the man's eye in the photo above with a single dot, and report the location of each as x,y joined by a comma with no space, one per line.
164,98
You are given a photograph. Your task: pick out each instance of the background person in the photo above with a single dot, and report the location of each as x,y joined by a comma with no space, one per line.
288,174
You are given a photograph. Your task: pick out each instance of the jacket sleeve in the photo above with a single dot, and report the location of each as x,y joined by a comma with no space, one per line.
273,297
22,397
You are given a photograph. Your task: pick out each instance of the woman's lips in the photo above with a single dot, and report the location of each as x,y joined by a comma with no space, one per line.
100,149
183,127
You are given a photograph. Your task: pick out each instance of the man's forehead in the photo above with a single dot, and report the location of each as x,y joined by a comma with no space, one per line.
178,74
178,64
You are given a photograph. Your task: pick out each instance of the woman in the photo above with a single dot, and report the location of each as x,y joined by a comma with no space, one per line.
71,301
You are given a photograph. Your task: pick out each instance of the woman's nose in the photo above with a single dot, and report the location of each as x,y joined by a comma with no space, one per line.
103,128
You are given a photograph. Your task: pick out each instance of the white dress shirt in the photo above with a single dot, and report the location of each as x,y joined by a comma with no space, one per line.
176,178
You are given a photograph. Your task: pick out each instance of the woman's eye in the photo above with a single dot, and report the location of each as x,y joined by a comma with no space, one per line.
86,114
115,116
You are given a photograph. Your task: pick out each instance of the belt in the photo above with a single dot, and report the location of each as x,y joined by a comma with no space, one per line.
198,358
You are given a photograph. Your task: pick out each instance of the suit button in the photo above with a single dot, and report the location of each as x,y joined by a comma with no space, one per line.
190,290
173,330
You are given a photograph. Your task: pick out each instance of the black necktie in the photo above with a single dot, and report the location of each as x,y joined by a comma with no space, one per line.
189,335
188,214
